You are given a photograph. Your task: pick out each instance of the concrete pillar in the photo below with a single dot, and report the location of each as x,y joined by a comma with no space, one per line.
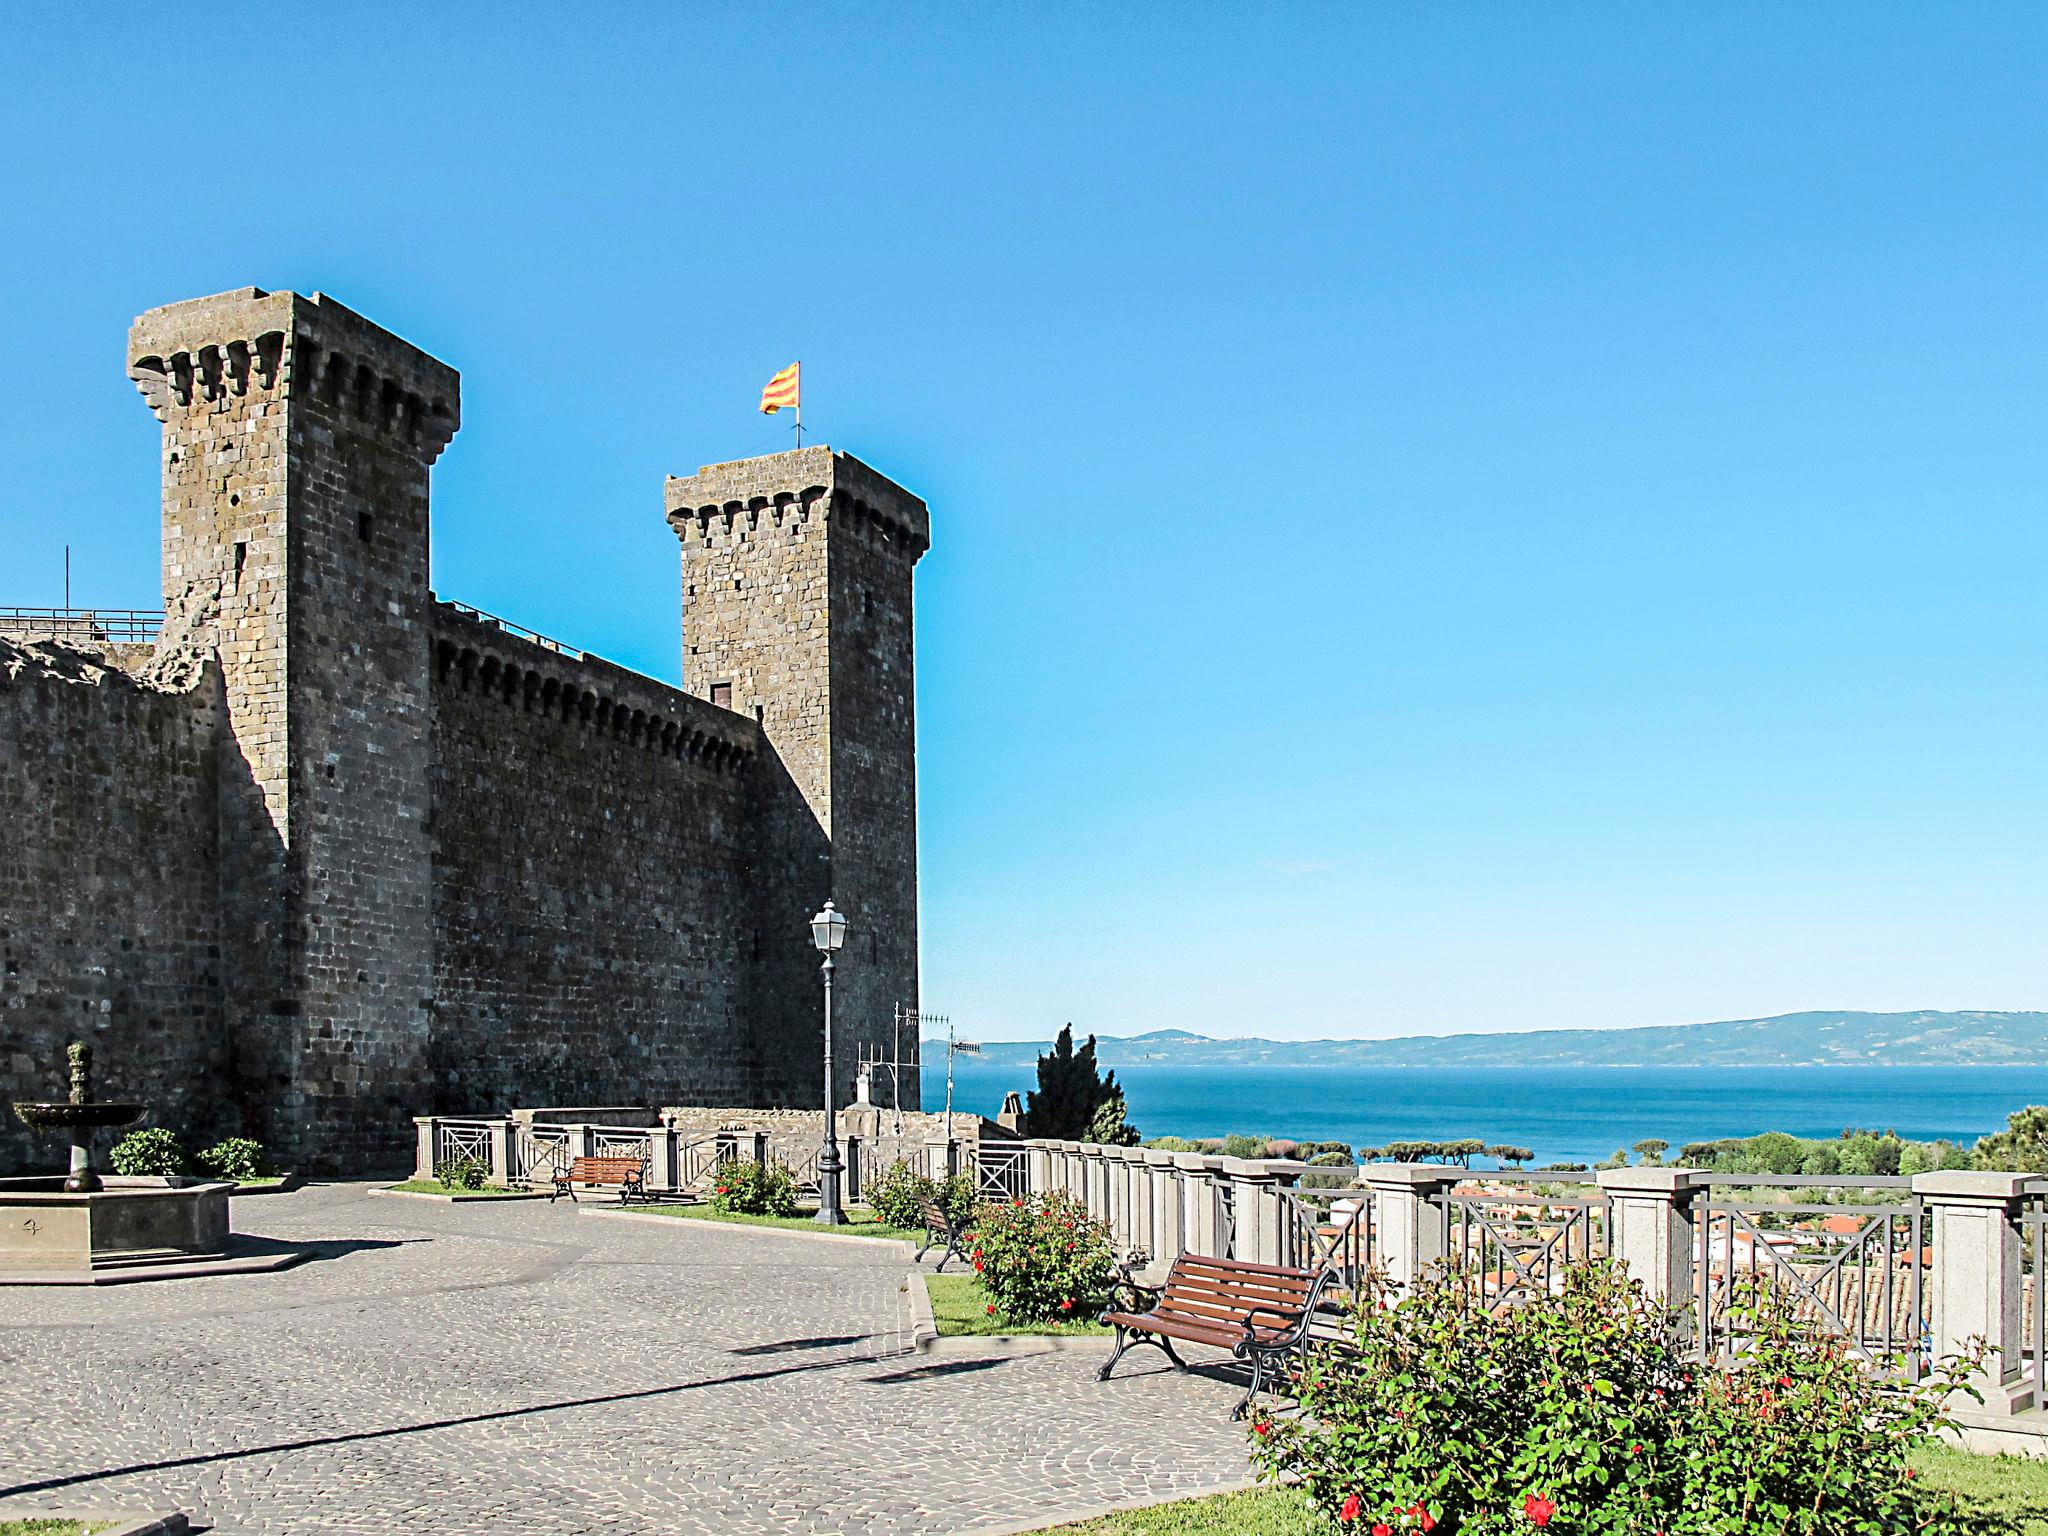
1408,1228
1651,1228
501,1151
425,1133
939,1154
1201,1179
754,1145
582,1141
1169,1231
1038,1161
662,1158
1976,1275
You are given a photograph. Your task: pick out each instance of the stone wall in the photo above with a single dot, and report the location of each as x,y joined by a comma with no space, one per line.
109,869
591,916
431,865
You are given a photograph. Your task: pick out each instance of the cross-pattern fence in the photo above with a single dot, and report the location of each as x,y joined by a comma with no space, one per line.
1000,1171
1329,1229
2033,1267
539,1152
1852,1268
1510,1241
463,1141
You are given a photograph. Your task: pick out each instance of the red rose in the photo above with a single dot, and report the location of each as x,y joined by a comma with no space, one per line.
991,1309
1350,1509
1428,1521
1381,1528
1067,1305
1538,1509
1262,1428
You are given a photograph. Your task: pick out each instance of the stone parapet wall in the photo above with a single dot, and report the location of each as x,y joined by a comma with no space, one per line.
109,881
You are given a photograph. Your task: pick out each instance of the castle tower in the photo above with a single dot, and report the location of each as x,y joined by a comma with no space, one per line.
297,442
797,611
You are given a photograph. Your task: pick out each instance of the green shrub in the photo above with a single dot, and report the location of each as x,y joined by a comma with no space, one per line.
1584,1408
898,1194
461,1173
1240,1145
958,1198
1042,1259
743,1187
235,1158
150,1153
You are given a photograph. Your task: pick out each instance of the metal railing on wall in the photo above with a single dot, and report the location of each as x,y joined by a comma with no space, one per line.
1328,1228
1853,1269
1510,1242
108,624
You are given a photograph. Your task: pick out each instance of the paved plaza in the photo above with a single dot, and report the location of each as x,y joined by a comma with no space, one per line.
480,1367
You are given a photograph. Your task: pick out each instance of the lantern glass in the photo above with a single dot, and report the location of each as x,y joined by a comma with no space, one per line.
828,929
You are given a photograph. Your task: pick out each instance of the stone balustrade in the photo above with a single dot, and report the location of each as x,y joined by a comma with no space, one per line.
1170,1202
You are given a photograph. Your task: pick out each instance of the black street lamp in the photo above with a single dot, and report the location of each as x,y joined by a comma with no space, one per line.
828,932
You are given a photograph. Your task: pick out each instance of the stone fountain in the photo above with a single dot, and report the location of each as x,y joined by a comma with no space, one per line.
81,1116
83,1229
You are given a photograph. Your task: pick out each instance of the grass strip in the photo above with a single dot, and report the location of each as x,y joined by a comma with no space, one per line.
859,1223
1996,1495
960,1307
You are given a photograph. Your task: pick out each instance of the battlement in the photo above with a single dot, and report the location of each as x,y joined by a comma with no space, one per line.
198,353
587,693
721,500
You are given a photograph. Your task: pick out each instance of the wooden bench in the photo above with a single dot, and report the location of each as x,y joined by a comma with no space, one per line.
1259,1312
939,1228
627,1174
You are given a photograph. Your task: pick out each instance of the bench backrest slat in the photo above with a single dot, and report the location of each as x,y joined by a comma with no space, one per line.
1228,1290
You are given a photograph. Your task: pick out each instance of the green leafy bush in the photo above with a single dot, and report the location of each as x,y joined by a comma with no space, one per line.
1583,1411
1042,1259
743,1187
150,1153
461,1173
235,1158
897,1195
958,1197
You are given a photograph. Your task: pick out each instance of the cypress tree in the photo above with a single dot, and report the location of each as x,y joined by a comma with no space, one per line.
1074,1101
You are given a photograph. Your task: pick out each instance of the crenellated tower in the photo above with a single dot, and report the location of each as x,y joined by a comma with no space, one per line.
297,440
797,612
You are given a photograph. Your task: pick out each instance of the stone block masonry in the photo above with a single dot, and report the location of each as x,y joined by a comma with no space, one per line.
333,854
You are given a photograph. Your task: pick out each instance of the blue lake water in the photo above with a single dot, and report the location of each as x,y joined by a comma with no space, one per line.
1565,1114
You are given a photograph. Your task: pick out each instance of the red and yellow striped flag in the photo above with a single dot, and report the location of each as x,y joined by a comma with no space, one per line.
782,391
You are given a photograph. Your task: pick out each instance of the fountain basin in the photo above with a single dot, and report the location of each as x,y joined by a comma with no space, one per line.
128,1227
82,1117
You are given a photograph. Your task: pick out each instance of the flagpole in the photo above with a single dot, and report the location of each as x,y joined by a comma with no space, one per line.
799,402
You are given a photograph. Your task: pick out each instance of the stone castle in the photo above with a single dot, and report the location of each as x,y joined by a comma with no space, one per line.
331,852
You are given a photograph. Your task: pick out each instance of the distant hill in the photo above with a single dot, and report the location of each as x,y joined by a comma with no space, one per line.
1967,1039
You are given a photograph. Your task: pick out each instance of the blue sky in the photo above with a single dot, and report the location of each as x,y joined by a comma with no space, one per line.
1446,517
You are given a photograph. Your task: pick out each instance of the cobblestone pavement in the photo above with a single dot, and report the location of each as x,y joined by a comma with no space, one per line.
480,1367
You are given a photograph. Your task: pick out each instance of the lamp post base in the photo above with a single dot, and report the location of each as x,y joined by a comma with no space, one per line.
829,1168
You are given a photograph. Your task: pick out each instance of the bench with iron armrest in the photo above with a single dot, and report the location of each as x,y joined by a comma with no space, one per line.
1259,1312
627,1174
939,1228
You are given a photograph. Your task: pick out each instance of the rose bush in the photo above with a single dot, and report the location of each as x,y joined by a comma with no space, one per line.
1582,1412
1042,1259
743,1187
